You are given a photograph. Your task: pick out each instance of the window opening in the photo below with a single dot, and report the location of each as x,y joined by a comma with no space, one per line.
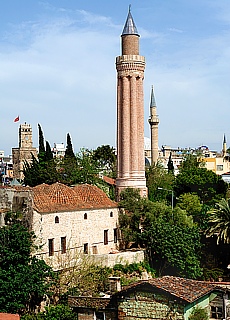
115,235
51,247
63,244
86,248
106,237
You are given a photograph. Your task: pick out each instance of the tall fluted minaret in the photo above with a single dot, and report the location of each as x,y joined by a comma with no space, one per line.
130,112
154,122
224,147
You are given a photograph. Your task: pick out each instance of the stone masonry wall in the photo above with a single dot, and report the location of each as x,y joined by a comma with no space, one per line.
148,306
79,228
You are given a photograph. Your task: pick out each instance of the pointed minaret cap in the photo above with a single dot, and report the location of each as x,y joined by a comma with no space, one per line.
224,139
130,27
153,101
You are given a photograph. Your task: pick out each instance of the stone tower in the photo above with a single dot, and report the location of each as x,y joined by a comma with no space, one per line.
24,151
130,112
154,122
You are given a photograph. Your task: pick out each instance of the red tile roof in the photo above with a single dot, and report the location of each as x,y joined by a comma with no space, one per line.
109,180
9,316
59,197
185,289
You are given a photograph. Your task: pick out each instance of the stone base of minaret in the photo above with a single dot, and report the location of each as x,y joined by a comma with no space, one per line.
122,184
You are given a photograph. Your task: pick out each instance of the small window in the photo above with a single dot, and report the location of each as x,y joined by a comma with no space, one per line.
56,219
94,248
219,167
86,248
111,214
63,244
216,312
51,247
99,315
85,216
106,240
115,235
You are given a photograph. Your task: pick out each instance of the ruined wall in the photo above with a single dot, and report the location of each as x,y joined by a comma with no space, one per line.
18,200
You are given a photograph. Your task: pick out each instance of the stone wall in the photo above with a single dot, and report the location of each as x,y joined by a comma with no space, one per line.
148,306
16,200
127,257
82,229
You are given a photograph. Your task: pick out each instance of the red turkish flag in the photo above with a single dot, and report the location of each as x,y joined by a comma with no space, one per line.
16,119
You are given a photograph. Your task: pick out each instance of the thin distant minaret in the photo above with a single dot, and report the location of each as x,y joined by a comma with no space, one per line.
130,112
224,147
154,122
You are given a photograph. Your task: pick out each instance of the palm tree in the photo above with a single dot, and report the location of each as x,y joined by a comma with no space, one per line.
219,221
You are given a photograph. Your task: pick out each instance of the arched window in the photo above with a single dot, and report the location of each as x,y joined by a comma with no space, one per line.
56,219
111,214
85,216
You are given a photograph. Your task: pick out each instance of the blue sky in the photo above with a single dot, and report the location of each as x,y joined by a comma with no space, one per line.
57,68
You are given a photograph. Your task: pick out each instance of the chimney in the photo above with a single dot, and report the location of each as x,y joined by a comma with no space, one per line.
114,284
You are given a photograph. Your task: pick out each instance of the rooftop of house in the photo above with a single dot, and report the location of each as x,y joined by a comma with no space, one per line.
59,197
184,289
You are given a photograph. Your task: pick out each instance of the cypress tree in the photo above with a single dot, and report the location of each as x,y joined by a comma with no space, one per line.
170,164
49,153
69,148
41,148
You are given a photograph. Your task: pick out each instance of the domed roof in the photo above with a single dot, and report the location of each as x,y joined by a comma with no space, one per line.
61,194
59,197
92,196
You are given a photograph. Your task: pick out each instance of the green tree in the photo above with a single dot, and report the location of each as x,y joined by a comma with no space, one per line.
219,221
49,153
170,164
198,313
106,159
171,238
193,178
190,203
172,241
58,312
69,148
87,169
37,172
24,279
158,177
41,148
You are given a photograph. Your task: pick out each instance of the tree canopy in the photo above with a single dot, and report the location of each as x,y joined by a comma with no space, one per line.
219,221
158,177
24,279
194,178
106,159
171,238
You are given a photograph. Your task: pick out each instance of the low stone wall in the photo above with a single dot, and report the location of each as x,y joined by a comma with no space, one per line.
127,257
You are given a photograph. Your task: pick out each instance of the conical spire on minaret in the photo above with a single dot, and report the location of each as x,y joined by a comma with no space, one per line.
154,122
152,101
130,27
224,151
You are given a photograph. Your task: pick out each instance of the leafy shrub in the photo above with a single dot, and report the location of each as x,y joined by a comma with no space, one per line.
198,314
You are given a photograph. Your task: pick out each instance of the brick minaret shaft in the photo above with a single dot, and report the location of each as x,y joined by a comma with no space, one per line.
130,112
154,122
